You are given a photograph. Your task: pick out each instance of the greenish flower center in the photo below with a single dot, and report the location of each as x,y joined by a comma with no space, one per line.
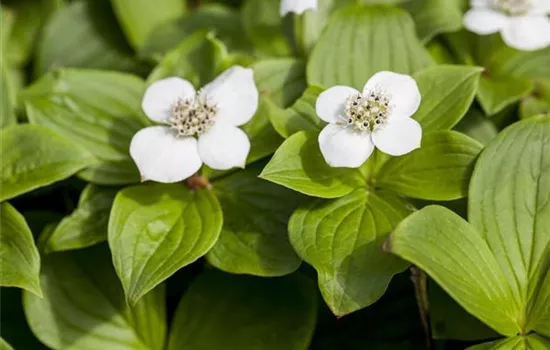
513,7
366,112
192,117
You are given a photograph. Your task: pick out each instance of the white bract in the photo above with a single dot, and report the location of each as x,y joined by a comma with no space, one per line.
523,24
297,6
196,127
379,116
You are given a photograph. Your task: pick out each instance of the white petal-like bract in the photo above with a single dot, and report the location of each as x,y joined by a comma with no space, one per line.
162,156
401,89
161,96
331,103
235,95
398,137
342,146
224,146
527,33
297,6
484,21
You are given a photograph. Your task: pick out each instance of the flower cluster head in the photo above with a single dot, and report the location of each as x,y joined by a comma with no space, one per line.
523,24
196,126
379,116
297,6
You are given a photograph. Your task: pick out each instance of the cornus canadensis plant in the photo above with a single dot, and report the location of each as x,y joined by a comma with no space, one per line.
379,116
524,24
297,6
199,126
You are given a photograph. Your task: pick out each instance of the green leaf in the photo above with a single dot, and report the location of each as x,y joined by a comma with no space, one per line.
450,321
539,313
447,93
33,157
84,307
98,110
139,18
87,225
300,117
299,165
20,261
7,102
433,17
197,59
538,102
154,230
439,170
344,55
15,328
530,342
342,239
263,26
508,204
83,34
309,25
254,238
477,126
283,79
223,311
497,92
224,21
4,345
30,16
460,261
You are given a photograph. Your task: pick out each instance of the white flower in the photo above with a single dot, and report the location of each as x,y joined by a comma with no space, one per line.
196,127
524,24
379,116
297,6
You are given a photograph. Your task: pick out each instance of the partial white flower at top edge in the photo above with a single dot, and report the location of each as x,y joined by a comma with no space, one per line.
379,116
195,127
297,6
523,24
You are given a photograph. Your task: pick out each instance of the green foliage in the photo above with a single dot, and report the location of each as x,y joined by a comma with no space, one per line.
93,259
345,246
97,110
20,261
33,157
352,62
154,230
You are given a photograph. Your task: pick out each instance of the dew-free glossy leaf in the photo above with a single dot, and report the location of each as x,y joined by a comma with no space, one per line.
300,117
530,342
33,157
263,26
98,110
439,170
433,17
342,239
447,93
283,79
19,258
539,312
538,102
344,54
7,101
87,225
254,237
4,345
477,126
224,21
198,59
497,92
84,306
460,261
508,205
299,165
138,18
232,312
83,34
154,230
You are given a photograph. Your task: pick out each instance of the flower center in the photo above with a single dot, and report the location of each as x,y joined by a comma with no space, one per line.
366,112
513,7
192,117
